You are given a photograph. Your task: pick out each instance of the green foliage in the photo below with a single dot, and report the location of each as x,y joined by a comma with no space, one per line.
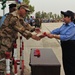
3,7
41,15
38,14
3,4
49,15
30,6
26,1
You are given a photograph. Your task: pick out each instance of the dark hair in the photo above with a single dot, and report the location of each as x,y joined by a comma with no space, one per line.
72,18
12,5
74,21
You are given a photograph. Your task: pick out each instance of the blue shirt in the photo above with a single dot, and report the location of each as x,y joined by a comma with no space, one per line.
2,19
66,32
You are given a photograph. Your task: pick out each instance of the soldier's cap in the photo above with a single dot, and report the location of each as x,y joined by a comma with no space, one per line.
26,7
68,13
12,5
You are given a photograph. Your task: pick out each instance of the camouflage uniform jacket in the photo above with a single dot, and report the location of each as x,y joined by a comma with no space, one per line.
9,30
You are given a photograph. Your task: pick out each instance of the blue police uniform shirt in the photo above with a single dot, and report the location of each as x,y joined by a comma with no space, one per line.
66,32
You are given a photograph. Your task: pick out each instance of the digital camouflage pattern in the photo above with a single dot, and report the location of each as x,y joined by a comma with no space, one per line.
9,32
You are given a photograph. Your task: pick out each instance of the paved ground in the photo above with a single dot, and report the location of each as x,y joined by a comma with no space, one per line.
44,43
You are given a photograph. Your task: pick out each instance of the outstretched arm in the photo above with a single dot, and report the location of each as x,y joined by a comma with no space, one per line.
19,27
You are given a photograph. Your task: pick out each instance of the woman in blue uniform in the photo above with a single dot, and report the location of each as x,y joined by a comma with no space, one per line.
66,34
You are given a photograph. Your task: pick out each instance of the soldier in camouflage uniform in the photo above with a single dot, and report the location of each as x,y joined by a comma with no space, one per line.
13,24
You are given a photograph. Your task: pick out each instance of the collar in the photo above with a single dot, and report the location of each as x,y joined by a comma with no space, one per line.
68,23
15,13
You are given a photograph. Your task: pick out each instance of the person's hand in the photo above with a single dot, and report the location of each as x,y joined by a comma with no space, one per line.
35,37
42,35
37,30
49,35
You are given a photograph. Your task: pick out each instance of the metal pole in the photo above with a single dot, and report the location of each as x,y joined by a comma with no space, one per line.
7,63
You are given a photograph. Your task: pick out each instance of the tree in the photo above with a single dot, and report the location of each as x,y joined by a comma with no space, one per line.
38,14
50,14
44,15
55,16
30,6
26,1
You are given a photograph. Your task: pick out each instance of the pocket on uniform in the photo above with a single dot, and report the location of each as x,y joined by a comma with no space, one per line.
6,42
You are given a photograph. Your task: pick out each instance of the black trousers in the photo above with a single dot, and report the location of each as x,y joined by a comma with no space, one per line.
68,56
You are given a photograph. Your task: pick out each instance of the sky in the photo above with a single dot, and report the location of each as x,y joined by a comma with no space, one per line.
54,6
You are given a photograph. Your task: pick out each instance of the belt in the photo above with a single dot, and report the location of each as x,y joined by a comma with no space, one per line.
69,41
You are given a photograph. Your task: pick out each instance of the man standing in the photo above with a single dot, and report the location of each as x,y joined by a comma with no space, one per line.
37,22
12,7
13,24
31,19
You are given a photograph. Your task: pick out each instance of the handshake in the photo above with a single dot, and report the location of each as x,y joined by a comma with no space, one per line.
41,35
